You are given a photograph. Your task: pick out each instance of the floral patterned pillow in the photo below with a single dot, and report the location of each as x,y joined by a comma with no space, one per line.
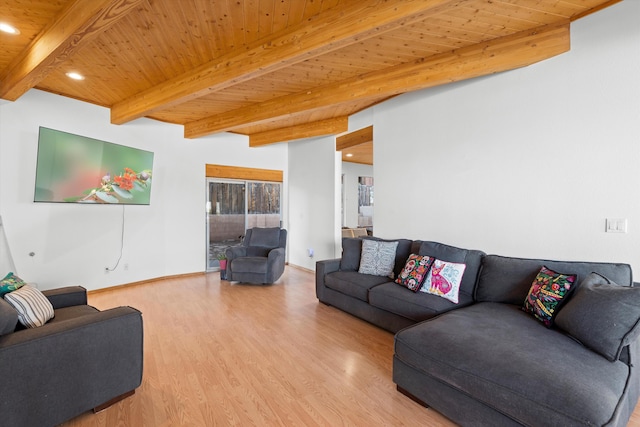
10,283
548,290
415,272
444,280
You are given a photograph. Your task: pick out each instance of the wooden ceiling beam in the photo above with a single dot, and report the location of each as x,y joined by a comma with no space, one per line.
356,137
239,172
501,54
73,28
304,130
595,9
329,31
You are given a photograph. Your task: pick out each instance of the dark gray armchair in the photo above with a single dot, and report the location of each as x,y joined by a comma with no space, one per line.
82,359
261,257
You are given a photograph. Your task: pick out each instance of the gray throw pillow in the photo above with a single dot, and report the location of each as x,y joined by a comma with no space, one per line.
351,253
8,318
602,315
378,257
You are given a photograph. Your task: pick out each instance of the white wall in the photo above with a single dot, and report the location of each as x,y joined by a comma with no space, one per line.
74,243
351,173
524,163
314,201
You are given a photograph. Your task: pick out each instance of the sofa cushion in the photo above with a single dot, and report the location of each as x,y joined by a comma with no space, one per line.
417,306
72,312
354,284
34,309
508,280
8,318
515,367
471,258
10,283
444,279
602,315
378,258
351,253
547,293
415,272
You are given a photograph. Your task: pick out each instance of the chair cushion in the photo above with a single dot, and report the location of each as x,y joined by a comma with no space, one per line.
250,264
265,237
72,312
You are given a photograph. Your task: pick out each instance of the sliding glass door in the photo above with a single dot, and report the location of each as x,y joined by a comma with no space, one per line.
232,207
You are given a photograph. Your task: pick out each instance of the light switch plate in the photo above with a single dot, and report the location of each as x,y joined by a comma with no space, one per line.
616,225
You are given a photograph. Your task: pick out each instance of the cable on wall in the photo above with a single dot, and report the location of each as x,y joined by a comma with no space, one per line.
121,244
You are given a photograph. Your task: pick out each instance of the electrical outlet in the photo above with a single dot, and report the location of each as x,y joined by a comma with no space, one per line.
126,267
310,252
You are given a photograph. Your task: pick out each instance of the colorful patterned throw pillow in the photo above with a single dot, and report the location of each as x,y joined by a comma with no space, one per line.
444,280
10,283
415,272
548,290
378,258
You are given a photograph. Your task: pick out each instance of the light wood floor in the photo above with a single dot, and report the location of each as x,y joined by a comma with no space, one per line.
219,354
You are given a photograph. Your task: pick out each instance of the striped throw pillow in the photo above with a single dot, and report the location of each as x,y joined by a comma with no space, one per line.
34,309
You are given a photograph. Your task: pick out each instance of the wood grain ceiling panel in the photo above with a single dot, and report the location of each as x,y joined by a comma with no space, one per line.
362,154
191,60
29,20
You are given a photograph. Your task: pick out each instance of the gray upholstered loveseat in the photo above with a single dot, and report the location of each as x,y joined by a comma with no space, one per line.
81,359
485,361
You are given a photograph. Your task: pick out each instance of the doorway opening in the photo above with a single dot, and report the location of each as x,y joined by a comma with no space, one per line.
232,207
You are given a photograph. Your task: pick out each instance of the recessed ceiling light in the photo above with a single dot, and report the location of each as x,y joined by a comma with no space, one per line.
349,155
75,76
6,28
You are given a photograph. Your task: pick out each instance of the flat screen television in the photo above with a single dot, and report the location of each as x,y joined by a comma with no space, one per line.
77,169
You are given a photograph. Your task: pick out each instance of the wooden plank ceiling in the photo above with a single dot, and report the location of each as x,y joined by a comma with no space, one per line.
276,70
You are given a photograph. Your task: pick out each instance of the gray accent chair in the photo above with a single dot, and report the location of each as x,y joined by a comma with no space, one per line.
260,259
82,359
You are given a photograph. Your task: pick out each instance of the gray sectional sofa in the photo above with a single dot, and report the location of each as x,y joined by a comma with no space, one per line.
486,362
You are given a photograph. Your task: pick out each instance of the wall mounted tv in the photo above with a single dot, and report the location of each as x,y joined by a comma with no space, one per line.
77,169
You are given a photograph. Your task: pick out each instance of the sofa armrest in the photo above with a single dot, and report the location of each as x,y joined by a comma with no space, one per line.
235,252
68,367
67,296
322,269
